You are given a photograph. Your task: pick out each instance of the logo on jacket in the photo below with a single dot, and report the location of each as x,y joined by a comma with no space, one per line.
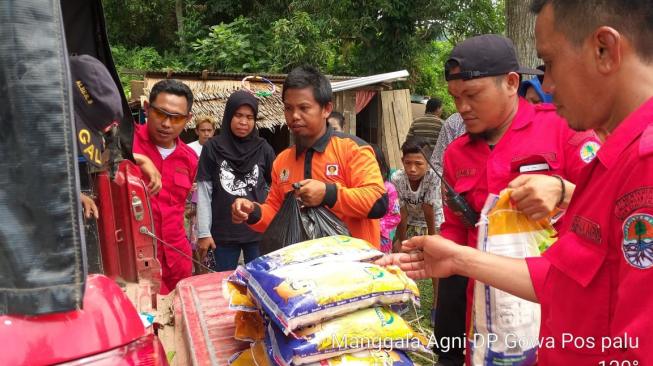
637,244
589,150
332,170
285,175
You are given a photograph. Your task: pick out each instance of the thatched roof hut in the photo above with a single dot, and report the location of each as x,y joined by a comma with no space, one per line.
211,91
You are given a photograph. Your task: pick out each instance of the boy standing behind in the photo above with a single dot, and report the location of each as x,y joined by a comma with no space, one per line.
418,195
418,192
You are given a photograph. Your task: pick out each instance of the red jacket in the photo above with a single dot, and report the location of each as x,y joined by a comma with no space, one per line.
177,175
593,282
536,139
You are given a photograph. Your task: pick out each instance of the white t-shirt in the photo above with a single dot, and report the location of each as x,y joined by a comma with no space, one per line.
166,152
427,192
195,145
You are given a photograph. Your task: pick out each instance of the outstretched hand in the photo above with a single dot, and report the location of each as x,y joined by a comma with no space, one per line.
240,210
426,257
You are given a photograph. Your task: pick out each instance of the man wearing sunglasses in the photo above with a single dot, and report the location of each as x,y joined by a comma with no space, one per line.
168,111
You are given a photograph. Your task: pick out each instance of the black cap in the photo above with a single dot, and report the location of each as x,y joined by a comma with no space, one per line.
482,56
98,105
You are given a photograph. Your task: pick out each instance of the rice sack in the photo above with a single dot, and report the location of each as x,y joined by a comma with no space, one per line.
301,295
329,249
368,358
373,328
506,231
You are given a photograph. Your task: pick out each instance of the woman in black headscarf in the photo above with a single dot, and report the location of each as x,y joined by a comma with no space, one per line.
236,163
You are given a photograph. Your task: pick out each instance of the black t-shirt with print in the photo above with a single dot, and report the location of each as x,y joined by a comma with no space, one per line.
227,186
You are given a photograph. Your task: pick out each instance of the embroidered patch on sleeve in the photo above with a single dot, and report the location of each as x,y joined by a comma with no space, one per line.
637,244
632,201
586,228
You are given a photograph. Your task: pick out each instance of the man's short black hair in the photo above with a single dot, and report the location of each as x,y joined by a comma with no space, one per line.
172,86
338,117
433,105
578,18
415,145
303,77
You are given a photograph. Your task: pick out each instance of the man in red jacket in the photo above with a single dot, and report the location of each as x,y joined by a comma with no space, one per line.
168,110
592,282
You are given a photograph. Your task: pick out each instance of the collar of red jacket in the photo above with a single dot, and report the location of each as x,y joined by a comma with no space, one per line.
627,131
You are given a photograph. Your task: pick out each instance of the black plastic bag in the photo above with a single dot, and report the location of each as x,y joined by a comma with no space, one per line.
294,224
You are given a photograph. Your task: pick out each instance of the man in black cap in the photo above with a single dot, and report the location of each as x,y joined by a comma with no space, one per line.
506,136
98,110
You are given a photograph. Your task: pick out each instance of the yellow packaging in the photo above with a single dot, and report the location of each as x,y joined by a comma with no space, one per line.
256,355
250,326
237,296
373,328
330,249
301,295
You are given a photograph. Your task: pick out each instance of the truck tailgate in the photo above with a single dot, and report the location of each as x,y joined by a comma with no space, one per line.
206,324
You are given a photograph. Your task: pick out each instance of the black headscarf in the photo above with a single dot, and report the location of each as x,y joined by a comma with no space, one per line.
241,153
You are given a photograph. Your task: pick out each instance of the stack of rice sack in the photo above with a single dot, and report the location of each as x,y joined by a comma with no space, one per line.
323,302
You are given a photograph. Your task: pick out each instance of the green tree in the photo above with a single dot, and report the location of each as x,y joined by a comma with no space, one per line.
344,37
140,23
301,40
640,229
239,46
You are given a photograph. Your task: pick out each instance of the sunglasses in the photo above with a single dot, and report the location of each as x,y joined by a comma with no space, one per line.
161,114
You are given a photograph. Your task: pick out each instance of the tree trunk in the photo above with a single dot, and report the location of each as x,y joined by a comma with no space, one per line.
520,27
179,11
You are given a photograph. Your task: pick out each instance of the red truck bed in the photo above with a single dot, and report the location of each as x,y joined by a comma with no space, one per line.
204,325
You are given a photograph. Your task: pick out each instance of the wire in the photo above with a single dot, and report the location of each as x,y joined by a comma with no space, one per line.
145,231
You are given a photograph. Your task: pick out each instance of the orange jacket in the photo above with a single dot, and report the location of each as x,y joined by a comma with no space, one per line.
355,191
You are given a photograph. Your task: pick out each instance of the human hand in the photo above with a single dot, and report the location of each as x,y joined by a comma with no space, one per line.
88,207
240,210
536,195
150,171
425,257
203,246
311,192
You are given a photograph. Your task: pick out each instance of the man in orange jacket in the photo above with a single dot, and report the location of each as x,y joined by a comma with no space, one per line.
334,169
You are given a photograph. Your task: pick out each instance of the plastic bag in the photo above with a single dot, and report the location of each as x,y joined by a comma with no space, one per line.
294,224
319,222
373,328
330,249
301,295
512,321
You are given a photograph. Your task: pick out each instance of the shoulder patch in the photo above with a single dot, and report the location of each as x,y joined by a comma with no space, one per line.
637,244
588,151
646,141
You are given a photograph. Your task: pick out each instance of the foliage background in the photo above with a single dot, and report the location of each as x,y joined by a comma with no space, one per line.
340,37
